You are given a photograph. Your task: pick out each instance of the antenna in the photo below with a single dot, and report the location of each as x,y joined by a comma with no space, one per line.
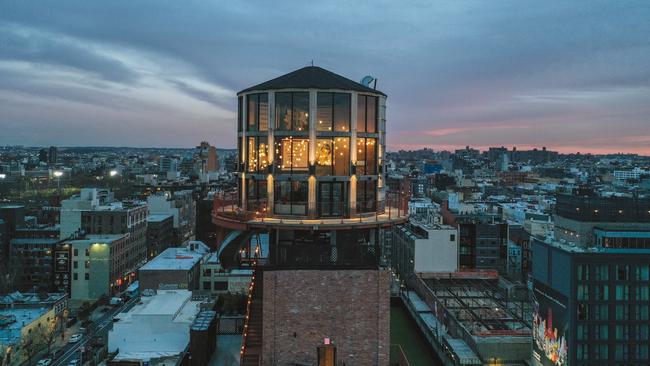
312,62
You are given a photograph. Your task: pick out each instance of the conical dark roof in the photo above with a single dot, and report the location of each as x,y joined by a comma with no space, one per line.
312,77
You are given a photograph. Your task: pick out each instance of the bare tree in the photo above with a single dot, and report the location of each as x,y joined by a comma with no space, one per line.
50,332
31,344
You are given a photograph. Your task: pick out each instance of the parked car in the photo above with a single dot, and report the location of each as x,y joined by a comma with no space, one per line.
75,338
44,362
74,362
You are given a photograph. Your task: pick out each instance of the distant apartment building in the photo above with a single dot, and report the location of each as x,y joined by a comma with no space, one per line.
182,207
160,234
53,155
482,240
35,260
621,176
168,164
591,283
95,212
13,217
102,265
174,268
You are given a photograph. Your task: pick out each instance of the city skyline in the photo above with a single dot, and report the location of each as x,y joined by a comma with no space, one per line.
571,77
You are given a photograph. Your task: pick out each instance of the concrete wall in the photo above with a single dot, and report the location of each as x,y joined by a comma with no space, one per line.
438,253
302,307
152,279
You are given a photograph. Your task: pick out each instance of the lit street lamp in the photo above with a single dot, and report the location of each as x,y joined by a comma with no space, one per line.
58,175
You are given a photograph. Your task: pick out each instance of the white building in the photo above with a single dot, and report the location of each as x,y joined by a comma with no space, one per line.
156,330
420,247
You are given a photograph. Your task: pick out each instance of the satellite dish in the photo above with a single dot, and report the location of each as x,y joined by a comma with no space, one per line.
367,80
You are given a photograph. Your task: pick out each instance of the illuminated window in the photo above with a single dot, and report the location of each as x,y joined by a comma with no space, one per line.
367,114
292,154
292,111
333,156
258,154
366,156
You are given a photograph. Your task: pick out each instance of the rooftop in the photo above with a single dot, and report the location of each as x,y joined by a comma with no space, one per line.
157,327
13,320
103,239
174,258
158,218
312,77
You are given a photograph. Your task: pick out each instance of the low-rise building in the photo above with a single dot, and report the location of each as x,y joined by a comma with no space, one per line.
155,332
217,280
101,265
174,268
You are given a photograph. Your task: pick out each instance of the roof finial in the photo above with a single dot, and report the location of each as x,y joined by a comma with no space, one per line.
312,62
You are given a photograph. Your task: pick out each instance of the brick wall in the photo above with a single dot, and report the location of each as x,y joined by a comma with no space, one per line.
302,307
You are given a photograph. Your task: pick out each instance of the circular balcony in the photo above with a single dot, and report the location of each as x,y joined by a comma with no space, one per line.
228,213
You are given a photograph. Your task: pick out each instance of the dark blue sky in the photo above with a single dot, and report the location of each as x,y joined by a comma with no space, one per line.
570,75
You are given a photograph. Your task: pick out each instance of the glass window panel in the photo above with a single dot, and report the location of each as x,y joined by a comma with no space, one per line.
263,112
299,197
361,156
371,156
324,152
324,114
341,156
262,154
371,120
252,113
342,112
293,154
252,155
283,111
301,111
239,113
361,113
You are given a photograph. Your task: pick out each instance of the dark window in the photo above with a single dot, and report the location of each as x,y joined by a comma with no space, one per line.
207,285
75,264
87,276
240,110
332,198
366,196
75,276
367,114
220,285
257,112
292,111
290,197
333,112
256,193
325,111
76,252
452,237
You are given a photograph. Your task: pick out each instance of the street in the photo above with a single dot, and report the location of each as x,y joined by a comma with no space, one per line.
100,327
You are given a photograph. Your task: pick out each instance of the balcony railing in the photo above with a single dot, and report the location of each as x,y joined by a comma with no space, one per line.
228,205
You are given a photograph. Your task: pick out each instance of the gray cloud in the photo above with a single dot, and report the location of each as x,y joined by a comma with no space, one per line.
451,64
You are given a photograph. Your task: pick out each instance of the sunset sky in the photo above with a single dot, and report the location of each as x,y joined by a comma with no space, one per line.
568,75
